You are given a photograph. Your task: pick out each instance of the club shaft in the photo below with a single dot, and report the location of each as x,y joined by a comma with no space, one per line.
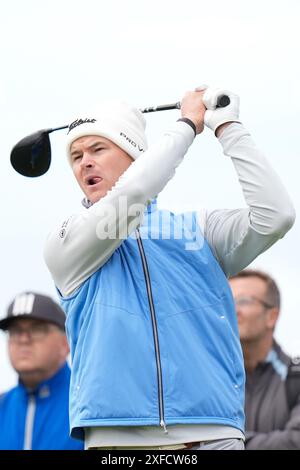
222,102
162,107
57,129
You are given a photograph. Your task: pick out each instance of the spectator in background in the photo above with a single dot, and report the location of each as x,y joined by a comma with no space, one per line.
34,414
272,404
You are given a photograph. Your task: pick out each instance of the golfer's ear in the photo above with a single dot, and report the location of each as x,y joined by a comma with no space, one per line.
273,315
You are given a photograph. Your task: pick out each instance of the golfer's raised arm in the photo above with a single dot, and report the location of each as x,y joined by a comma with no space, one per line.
238,236
86,241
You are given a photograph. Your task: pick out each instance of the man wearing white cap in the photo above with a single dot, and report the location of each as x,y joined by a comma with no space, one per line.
157,362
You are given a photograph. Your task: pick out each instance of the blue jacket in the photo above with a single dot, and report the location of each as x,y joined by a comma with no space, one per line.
153,334
51,419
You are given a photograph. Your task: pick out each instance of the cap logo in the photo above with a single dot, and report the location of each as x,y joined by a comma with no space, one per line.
78,122
134,144
23,304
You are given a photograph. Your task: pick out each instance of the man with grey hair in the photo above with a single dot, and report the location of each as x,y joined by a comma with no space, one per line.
156,357
272,403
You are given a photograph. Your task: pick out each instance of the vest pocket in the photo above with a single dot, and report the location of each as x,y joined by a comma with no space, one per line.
205,372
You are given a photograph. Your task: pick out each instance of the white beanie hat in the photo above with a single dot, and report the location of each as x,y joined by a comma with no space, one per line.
119,122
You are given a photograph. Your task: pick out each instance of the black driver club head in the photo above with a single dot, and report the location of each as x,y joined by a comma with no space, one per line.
31,156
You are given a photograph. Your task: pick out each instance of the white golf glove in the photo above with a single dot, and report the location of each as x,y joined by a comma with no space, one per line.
214,116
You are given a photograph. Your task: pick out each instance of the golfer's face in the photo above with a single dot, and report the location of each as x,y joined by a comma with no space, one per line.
97,164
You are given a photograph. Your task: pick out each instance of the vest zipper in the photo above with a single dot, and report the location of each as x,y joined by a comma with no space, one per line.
155,332
29,422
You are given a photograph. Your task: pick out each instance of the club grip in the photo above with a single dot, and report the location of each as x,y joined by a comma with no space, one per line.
223,101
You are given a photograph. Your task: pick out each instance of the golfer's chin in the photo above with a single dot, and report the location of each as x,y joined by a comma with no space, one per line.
96,194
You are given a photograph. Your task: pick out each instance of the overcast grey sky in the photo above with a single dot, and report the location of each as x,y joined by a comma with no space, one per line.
62,57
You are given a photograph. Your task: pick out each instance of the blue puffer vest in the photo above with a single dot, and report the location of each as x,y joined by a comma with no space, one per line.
153,334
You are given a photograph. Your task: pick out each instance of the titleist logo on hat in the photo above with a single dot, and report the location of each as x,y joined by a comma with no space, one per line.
78,122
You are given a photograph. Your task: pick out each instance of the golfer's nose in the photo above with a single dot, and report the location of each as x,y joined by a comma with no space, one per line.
87,160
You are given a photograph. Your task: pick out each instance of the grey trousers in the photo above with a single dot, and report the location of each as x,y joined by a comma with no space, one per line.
220,444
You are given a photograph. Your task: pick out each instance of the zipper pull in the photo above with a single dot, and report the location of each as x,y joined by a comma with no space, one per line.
163,425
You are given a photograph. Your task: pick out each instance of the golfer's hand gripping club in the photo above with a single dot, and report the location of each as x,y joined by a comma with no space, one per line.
216,99
217,115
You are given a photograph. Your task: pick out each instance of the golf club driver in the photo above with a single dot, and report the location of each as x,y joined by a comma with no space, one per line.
31,156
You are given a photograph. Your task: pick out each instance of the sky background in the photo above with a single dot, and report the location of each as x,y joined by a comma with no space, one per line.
61,58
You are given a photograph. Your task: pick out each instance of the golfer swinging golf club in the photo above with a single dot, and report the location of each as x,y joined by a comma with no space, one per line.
156,357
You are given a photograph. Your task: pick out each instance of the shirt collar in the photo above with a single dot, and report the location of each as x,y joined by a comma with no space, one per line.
151,207
44,388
